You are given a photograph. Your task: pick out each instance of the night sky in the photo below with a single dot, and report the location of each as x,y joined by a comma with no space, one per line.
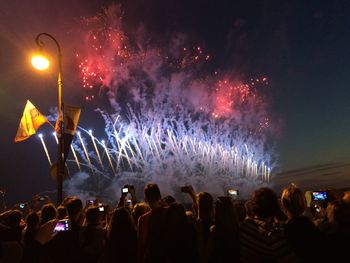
303,47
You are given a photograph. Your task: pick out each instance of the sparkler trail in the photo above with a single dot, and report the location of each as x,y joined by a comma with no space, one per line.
75,157
93,142
45,148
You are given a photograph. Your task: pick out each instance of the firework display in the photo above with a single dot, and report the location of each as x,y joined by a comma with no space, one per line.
170,123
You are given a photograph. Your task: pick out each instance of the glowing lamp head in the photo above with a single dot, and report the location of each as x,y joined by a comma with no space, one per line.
40,62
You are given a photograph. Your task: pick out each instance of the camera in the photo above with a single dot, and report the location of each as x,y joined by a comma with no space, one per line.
41,198
101,208
319,195
63,225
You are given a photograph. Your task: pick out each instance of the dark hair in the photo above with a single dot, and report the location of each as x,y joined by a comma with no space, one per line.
340,211
74,206
175,215
48,212
32,221
61,212
13,218
226,218
264,203
152,193
92,215
138,210
205,205
169,200
121,237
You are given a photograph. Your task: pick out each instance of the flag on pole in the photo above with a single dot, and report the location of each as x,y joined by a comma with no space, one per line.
31,121
70,122
71,119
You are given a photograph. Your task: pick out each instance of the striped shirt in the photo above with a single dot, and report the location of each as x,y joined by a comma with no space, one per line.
263,242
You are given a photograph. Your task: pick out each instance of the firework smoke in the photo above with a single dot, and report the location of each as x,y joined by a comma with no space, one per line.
170,123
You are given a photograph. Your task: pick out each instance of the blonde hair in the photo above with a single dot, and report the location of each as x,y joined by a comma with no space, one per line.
293,200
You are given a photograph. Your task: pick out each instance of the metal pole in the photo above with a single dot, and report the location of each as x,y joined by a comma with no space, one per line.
60,149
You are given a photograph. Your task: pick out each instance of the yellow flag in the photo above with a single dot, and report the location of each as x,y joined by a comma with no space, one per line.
31,121
71,119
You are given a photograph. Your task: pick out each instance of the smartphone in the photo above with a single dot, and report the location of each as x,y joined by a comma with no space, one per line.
232,192
22,205
319,195
91,201
63,225
41,198
101,208
125,190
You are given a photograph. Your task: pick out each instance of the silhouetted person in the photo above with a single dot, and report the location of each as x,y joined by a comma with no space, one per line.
13,222
203,223
150,228
261,239
180,236
64,247
48,212
92,236
338,236
301,233
121,238
223,243
138,210
28,239
61,212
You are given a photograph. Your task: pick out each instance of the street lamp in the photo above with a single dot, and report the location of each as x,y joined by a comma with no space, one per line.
41,63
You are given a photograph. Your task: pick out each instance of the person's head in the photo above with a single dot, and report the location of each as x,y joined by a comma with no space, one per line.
138,210
121,224
168,200
176,216
74,208
264,203
293,201
32,220
61,212
226,218
152,195
93,215
13,219
205,205
48,212
338,213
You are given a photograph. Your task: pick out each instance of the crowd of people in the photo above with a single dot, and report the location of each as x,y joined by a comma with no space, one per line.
265,228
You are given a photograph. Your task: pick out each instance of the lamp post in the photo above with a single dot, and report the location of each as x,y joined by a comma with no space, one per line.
41,63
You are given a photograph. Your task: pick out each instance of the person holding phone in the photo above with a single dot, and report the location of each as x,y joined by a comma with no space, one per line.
92,235
301,233
65,245
123,201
